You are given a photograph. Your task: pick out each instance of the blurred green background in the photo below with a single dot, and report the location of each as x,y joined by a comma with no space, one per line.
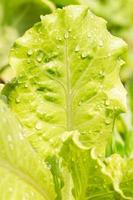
16,16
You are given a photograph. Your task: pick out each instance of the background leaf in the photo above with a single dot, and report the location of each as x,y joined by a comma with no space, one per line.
22,173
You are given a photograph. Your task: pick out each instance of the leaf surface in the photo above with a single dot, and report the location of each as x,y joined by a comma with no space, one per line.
23,175
67,79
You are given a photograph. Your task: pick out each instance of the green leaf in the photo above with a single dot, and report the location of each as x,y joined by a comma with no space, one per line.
95,178
15,18
67,79
67,94
119,15
23,175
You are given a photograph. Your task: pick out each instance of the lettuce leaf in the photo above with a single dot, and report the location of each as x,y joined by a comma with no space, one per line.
23,175
119,15
15,18
66,95
108,178
67,80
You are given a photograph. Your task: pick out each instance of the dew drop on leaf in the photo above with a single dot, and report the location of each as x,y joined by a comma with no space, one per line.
40,55
17,100
38,125
89,35
101,44
60,39
30,52
77,48
107,102
84,55
66,35
107,121
26,86
101,74
116,108
80,103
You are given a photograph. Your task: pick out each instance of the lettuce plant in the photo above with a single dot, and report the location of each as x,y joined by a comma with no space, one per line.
66,95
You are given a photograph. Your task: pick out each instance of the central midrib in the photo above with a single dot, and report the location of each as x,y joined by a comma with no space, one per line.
68,89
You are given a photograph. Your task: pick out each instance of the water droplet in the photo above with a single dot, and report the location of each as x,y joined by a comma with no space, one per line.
51,140
101,74
84,55
107,102
69,30
40,55
66,35
26,86
30,52
80,103
17,100
89,35
48,117
107,121
101,87
59,38
21,136
49,166
101,44
38,125
77,48
74,37
116,108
